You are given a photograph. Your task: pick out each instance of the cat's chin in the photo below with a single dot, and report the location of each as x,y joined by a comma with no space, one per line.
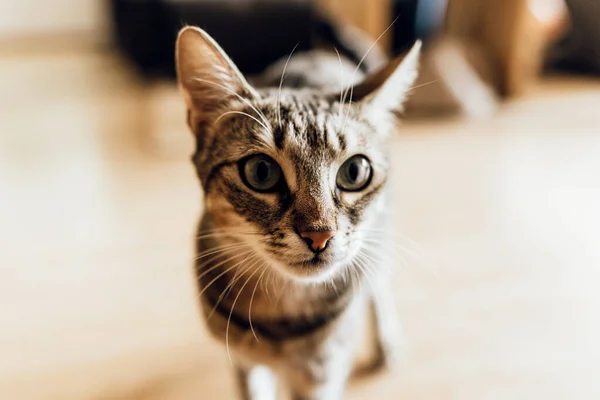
315,262
311,271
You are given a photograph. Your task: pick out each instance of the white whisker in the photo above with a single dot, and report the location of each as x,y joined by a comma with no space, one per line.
367,269
200,267
341,83
281,84
220,249
355,279
221,274
244,100
217,234
231,313
351,88
265,285
247,115
389,232
233,282
421,85
334,287
429,268
265,268
395,247
361,261
379,255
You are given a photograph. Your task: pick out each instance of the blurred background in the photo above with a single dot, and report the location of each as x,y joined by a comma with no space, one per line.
496,174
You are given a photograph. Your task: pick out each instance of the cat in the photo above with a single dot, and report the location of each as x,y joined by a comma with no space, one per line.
289,244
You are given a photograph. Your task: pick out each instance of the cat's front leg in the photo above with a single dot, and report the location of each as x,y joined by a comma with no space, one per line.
385,323
322,375
329,385
256,382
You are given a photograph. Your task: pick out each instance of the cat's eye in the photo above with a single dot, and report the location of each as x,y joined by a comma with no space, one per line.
260,173
354,174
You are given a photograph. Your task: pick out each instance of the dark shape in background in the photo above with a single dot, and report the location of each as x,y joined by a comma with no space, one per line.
255,33
579,50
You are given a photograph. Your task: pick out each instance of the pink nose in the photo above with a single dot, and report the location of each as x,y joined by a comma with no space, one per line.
317,241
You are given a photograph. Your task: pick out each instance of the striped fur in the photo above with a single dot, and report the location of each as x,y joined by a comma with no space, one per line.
273,301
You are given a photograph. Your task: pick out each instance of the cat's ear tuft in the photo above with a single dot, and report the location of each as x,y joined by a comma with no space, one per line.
208,79
387,90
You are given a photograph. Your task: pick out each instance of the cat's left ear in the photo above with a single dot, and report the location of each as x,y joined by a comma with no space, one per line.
383,94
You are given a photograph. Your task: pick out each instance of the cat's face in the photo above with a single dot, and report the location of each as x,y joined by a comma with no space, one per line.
298,175
308,187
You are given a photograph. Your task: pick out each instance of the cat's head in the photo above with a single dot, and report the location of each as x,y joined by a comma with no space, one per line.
298,174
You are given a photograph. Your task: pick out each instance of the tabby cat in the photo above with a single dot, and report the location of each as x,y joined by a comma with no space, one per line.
294,178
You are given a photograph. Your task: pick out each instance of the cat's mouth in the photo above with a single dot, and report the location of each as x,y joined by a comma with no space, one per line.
318,268
315,262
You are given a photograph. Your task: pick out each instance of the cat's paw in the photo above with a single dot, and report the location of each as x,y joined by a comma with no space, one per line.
386,357
387,354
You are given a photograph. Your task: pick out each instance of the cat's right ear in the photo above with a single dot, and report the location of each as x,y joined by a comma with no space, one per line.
382,94
208,79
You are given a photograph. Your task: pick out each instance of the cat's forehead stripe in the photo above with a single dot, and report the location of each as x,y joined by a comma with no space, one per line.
305,121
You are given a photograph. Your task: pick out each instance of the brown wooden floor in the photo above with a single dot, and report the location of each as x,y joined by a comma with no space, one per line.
98,203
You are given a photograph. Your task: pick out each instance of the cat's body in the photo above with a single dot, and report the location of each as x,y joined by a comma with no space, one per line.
291,240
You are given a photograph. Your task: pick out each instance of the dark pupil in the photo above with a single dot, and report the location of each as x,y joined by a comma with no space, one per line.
262,171
353,171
